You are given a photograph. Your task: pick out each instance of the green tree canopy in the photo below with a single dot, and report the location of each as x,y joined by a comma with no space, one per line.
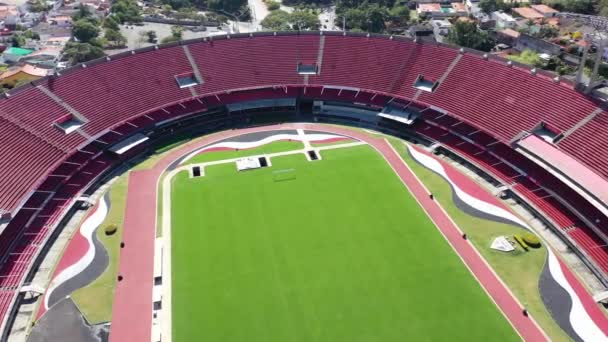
528,57
280,20
304,20
83,13
85,31
399,15
110,22
38,6
277,21
466,34
176,35
366,17
489,6
77,52
115,38
126,11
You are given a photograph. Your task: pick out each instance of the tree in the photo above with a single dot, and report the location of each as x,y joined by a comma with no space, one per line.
230,6
176,34
81,52
151,36
85,31
277,21
356,18
31,35
115,38
126,11
273,5
179,4
110,22
528,57
489,6
166,9
304,20
367,17
18,40
83,13
466,34
38,6
399,15
548,31
376,18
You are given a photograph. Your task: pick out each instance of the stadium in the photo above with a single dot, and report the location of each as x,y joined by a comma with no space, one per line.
305,186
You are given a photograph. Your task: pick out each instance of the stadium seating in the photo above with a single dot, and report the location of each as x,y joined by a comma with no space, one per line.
497,98
487,102
588,144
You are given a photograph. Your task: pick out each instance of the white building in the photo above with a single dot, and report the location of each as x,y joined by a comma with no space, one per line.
441,28
504,20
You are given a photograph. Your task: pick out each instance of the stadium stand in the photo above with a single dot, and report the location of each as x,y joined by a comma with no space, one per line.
478,109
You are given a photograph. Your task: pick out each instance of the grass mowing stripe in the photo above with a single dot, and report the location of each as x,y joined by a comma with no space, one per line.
341,253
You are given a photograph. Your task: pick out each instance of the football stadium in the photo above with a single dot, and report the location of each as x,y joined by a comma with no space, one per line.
303,186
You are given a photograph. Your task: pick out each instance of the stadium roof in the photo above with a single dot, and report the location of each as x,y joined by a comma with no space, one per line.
576,171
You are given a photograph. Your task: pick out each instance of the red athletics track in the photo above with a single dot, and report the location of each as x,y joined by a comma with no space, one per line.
132,310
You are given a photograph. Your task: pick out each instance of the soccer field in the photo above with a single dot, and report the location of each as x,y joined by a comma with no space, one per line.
342,252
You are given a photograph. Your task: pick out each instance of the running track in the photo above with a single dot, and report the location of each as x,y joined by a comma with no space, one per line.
132,310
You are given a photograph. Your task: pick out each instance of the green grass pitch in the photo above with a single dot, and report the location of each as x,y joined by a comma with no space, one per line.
341,253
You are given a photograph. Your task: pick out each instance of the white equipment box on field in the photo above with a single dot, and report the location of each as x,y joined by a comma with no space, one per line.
502,244
248,163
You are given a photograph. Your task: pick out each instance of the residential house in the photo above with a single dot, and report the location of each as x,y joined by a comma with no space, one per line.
503,20
441,28
14,54
20,74
545,10
527,13
507,36
441,10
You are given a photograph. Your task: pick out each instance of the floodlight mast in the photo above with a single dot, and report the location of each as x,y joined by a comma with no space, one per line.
599,37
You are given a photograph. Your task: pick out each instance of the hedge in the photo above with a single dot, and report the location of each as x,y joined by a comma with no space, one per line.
521,242
531,239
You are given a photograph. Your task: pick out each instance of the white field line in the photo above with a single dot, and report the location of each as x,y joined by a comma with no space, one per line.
472,246
270,155
304,139
258,143
166,312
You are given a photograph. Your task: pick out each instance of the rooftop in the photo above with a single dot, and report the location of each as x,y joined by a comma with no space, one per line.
434,7
28,69
509,32
18,51
527,13
544,9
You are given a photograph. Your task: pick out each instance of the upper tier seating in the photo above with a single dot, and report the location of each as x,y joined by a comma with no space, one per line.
492,96
35,112
504,99
381,64
25,158
109,93
248,62
589,144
